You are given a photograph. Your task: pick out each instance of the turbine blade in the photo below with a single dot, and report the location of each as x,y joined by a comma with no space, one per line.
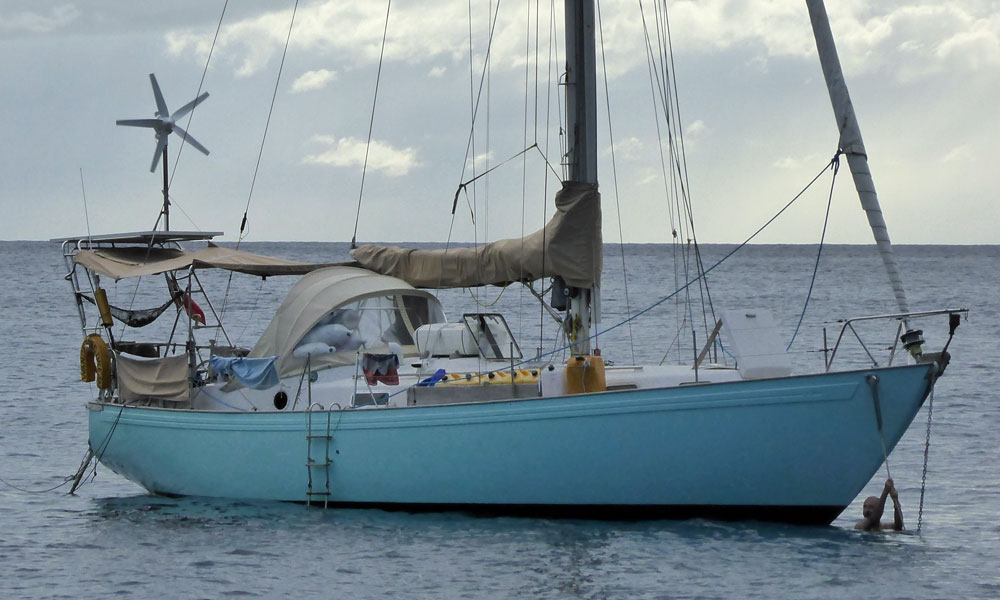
161,106
161,144
189,139
139,122
189,106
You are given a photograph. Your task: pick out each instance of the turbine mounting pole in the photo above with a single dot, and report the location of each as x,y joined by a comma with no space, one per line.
166,192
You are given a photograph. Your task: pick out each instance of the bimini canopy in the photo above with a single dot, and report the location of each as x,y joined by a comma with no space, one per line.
135,261
376,309
569,246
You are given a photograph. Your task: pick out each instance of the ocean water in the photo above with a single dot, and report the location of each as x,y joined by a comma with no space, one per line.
111,539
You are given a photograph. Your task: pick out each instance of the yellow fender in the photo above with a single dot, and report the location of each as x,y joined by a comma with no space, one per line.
95,361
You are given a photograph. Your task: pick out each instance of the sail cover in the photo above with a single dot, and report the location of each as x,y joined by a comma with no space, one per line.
569,246
136,261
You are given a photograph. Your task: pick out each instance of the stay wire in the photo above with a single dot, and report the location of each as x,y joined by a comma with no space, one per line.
835,165
267,124
371,124
260,154
614,177
201,84
482,79
670,295
68,479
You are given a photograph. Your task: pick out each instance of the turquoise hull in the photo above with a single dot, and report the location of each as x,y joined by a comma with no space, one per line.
796,449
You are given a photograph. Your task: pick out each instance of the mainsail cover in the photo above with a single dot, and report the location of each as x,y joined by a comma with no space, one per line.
569,247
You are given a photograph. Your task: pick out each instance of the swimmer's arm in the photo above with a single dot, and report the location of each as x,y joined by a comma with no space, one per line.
897,511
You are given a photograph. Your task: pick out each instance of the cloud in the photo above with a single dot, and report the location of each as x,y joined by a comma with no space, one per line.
958,153
696,129
350,152
791,162
482,162
313,80
629,149
909,39
437,71
26,21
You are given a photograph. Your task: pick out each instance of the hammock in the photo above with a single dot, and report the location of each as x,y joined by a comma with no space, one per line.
134,318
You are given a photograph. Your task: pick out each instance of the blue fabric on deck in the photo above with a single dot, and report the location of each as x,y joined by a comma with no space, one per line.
255,373
430,381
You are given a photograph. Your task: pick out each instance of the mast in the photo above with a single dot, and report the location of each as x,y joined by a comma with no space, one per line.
581,154
853,148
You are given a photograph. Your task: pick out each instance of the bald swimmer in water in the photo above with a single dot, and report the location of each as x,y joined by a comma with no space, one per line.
875,506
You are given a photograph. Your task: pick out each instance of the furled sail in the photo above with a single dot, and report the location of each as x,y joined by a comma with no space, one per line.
569,247
852,145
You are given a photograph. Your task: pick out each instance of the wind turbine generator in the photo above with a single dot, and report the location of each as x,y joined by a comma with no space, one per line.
163,124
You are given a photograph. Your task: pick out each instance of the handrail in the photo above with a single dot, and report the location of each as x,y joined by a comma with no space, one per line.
849,324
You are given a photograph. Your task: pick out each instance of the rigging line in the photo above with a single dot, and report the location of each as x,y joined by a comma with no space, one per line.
668,296
68,479
475,111
724,258
371,124
486,154
835,165
671,105
537,21
86,213
650,63
472,127
614,176
495,167
260,153
670,193
489,304
547,162
545,172
253,309
96,454
524,164
201,83
175,204
267,124
559,97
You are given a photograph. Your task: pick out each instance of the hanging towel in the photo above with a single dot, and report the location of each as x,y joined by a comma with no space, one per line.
255,373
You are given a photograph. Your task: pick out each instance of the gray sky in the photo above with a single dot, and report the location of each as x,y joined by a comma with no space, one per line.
924,77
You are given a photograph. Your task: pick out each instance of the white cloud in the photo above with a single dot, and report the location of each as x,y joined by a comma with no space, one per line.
313,80
34,22
696,129
958,153
907,38
350,152
629,149
792,162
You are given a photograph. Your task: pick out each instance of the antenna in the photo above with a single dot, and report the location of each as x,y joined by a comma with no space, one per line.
163,125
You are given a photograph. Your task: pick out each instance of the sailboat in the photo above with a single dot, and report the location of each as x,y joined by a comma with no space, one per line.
361,393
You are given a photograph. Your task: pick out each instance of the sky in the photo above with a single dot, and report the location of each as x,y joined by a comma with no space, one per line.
757,123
